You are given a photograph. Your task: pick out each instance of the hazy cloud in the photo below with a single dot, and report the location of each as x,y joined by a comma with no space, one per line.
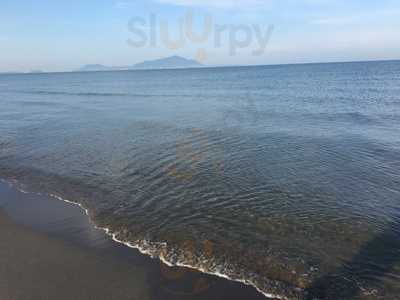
220,3
359,18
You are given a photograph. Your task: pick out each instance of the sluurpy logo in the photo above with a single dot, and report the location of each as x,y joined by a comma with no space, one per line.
155,31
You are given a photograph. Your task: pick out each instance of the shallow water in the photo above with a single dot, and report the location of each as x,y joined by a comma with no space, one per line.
286,177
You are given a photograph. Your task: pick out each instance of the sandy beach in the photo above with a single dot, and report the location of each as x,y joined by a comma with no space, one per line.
49,250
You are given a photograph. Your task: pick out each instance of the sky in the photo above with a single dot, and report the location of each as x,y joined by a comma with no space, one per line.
56,35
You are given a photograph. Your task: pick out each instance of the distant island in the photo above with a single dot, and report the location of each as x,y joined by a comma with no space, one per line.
172,62
36,71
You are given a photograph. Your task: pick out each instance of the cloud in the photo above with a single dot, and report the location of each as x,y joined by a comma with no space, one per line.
219,3
359,18
337,20
247,4
123,4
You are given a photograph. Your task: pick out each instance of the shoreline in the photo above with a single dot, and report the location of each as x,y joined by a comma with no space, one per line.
23,213
113,236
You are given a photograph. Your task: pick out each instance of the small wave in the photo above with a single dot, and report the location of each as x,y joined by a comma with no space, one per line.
94,94
357,117
350,117
39,103
98,94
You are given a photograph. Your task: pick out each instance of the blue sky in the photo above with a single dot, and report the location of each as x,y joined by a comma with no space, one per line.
55,35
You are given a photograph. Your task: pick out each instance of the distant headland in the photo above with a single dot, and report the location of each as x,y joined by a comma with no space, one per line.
172,62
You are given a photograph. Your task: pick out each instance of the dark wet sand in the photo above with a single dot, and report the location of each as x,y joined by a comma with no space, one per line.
49,250
34,266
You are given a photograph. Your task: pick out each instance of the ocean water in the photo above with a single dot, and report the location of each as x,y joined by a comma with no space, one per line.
284,177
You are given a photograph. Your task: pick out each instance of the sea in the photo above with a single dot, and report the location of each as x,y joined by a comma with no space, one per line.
284,177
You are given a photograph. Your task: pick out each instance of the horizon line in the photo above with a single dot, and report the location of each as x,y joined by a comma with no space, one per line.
204,66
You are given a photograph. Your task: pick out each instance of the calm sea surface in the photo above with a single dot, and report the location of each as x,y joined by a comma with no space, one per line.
287,177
